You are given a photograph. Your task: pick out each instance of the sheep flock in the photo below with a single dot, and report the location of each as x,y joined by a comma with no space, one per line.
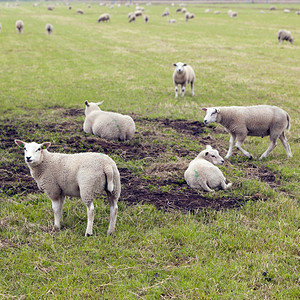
93,174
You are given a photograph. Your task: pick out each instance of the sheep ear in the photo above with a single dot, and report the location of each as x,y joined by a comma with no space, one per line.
209,147
99,103
175,65
204,109
218,110
21,144
86,103
184,65
46,145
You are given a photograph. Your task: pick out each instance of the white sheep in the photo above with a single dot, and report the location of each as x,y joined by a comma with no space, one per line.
258,120
287,11
165,13
84,175
232,14
138,13
189,16
20,26
172,21
202,172
107,125
104,17
183,75
284,35
132,18
49,29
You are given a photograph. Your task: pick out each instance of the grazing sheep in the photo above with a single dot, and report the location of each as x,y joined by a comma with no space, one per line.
178,9
189,16
138,13
104,17
84,175
165,13
183,10
107,125
202,172
132,18
172,21
272,8
49,29
80,11
287,11
258,120
20,26
183,75
284,35
232,14
130,14
146,19
51,8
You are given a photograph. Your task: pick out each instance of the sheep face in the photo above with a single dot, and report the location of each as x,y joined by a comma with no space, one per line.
33,152
213,156
91,106
211,115
179,67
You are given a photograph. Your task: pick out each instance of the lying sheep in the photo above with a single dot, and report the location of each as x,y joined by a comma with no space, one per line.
258,120
104,17
172,21
183,75
80,11
287,11
20,26
107,125
49,29
189,16
202,172
84,175
284,35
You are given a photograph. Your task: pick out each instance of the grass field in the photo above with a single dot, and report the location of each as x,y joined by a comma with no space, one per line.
171,242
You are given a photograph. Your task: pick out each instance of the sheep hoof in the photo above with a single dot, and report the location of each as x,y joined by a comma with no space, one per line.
88,234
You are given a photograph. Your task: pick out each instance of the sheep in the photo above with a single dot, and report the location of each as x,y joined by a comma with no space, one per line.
80,11
132,18
107,125
232,14
20,26
50,7
183,75
284,35
49,29
183,10
217,12
172,21
146,19
130,14
104,17
202,172
297,12
165,13
189,16
258,120
138,13
84,175
207,11
287,11
178,9
272,8
70,7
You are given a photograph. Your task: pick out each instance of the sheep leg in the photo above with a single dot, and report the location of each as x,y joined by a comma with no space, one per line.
273,144
57,206
231,143
176,90
90,220
206,187
285,144
192,88
183,89
225,186
113,207
240,140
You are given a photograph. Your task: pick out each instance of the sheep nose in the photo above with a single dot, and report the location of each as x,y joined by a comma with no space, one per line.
222,161
205,122
28,158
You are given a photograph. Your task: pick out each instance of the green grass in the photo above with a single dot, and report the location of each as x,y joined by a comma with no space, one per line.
251,252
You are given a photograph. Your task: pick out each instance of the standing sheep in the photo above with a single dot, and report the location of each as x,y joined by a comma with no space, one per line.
107,125
104,17
202,172
49,29
183,75
146,19
132,18
258,120
284,35
84,175
20,26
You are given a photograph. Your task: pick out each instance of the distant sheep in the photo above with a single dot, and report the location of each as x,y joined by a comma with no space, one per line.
183,10
166,13
20,26
189,16
183,75
297,12
172,21
284,35
138,13
207,11
50,7
107,125
232,14
104,17
84,175
272,8
202,172
178,9
258,120
132,18
287,11
146,19
49,29
80,11
217,12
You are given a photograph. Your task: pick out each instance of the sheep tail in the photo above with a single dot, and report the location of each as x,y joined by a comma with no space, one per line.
288,127
109,173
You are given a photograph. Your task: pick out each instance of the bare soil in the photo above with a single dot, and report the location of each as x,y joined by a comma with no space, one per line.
157,144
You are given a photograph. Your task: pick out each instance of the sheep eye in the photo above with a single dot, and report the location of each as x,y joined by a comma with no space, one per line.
39,149
213,156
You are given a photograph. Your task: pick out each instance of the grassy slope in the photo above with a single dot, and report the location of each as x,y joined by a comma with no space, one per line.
210,254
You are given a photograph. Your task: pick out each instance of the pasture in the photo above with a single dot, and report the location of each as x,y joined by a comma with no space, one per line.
171,242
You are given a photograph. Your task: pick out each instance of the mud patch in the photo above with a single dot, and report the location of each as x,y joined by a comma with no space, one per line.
157,146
